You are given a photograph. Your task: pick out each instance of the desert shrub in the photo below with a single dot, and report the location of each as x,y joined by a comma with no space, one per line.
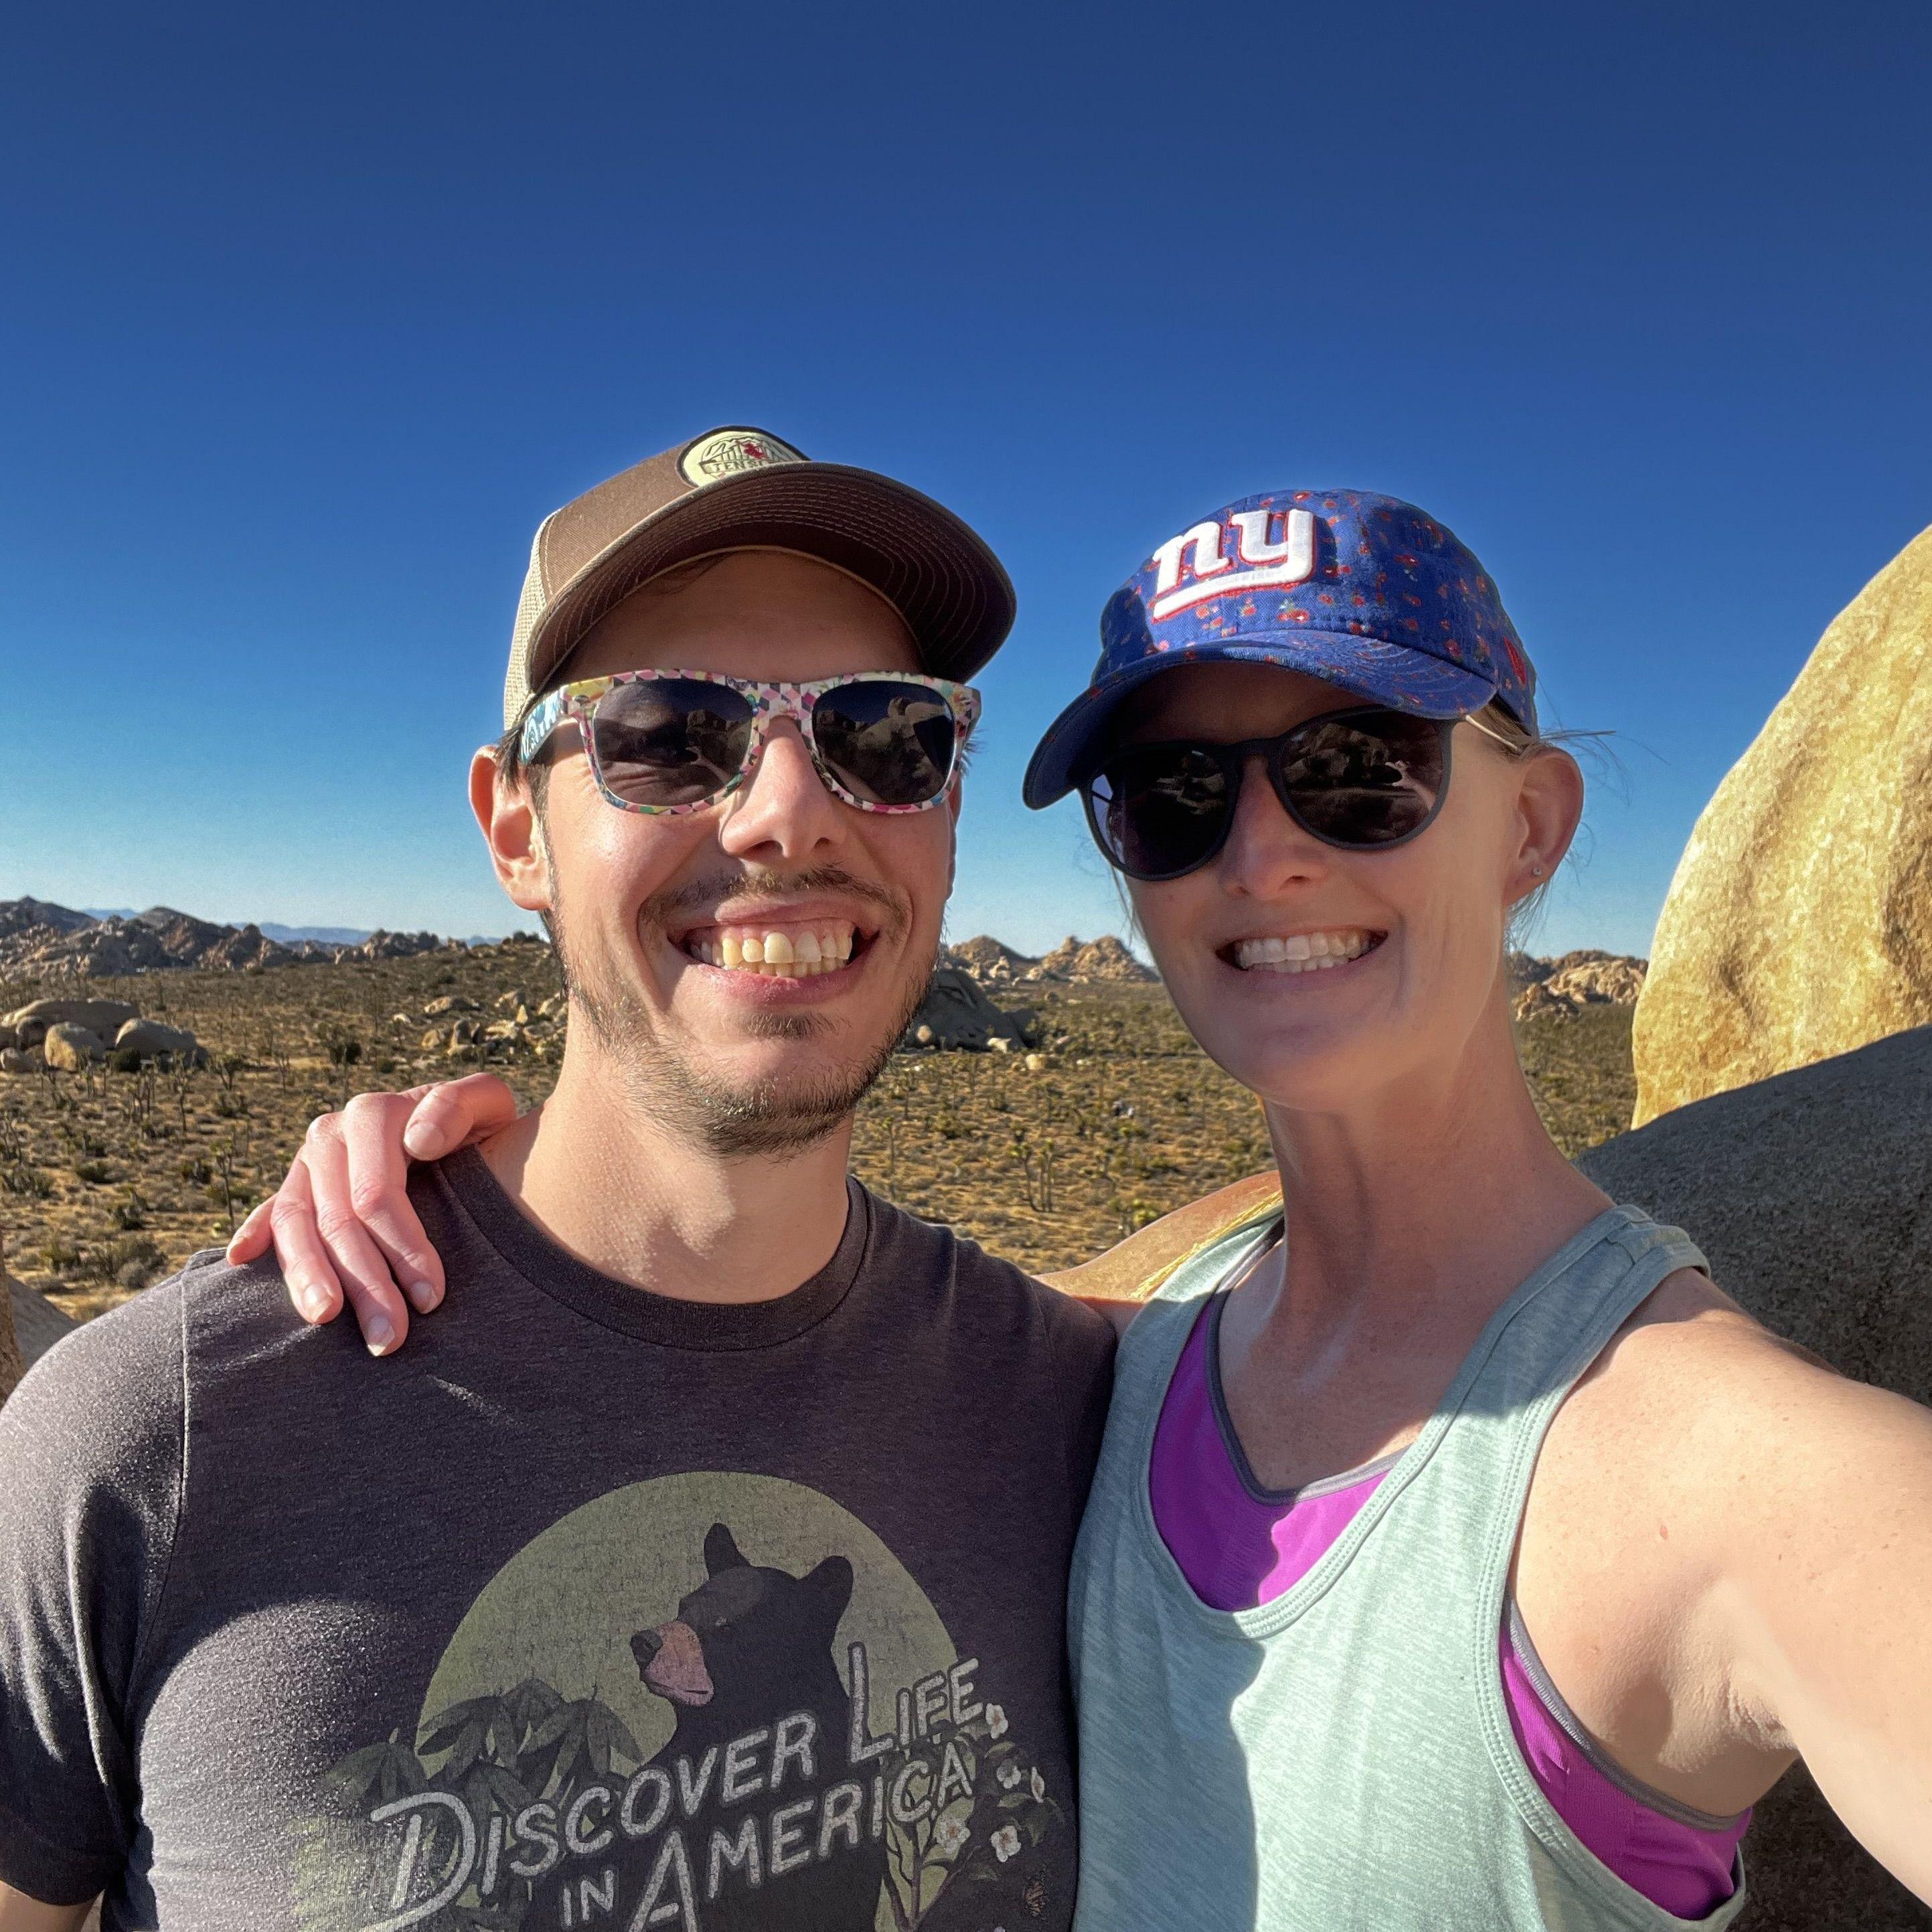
94,1172
24,1179
132,1261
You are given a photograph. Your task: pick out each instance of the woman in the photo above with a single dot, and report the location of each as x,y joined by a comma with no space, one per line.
1458,1556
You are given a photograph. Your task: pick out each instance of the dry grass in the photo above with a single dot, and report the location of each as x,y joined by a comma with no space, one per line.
108,1181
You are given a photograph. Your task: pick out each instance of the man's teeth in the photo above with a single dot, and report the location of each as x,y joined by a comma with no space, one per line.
1302,952
798,953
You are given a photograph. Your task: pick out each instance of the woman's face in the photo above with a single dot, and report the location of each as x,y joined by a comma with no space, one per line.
1418,929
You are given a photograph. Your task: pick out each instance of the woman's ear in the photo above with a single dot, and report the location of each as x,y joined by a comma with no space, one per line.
1549,806
508,814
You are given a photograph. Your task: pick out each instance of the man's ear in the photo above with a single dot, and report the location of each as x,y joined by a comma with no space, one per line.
508,814
1549,806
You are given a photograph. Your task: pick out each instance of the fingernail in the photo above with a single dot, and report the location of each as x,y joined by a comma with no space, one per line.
379,1335
422,1297
311,1301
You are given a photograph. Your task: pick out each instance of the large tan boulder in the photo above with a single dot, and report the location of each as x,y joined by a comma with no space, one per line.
1799,924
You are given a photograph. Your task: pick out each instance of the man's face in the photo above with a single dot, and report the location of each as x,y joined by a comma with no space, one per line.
647,909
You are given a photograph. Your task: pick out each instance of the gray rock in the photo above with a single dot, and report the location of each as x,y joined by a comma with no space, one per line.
153,1041
30,1325
1811,1193
70,1048
956,1013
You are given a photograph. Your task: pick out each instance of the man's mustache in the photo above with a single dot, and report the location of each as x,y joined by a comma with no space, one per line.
701,895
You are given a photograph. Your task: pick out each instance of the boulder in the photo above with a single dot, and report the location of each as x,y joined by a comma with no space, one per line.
30,1325
70,1048
1799,924
151,1040
1810,1193
102,1018
18,1060
956,1013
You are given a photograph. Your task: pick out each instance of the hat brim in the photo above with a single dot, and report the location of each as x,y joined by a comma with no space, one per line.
932,567
1365,667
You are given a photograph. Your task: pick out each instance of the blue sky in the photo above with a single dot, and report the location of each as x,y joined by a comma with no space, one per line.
312,314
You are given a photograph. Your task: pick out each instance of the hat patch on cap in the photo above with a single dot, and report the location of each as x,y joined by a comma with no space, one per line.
726,451
1258,561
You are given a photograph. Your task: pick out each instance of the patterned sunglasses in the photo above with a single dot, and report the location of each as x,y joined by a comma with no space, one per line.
677,741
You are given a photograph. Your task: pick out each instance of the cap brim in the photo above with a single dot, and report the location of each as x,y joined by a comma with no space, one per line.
929,565
1390,674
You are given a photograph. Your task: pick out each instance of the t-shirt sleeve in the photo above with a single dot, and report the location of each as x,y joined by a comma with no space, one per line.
1083,1358
90,1464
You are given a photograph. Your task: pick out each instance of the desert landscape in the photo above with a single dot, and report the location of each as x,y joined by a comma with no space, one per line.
1057,1105
156,1070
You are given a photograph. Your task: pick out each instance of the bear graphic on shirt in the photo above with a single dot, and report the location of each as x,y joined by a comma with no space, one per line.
713,1702
773,1826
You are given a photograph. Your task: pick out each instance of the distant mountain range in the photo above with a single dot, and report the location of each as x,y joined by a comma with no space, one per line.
37,936
327,935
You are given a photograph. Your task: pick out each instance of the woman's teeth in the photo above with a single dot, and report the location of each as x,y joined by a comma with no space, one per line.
1302,952
798,953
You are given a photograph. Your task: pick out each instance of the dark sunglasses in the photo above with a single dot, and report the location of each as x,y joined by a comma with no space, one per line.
677,741
1364,780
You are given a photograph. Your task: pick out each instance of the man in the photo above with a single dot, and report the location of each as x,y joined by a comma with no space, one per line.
713,1575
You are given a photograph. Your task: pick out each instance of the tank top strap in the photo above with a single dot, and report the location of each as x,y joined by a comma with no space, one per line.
1151,1349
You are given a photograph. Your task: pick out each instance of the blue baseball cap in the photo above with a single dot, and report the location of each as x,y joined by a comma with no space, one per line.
1366,592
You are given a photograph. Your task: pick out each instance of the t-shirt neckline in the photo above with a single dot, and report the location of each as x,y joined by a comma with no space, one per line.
667,1321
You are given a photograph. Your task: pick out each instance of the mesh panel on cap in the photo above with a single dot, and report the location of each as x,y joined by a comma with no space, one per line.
530,606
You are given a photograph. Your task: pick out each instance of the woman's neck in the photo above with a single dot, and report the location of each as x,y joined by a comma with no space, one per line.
1421,1210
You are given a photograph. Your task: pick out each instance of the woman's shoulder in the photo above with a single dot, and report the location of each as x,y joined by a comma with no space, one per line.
1132,1271
1705,1414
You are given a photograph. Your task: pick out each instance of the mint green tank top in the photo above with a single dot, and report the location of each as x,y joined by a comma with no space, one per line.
1341,1758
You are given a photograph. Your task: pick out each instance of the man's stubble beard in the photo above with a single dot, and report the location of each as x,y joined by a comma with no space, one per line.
668,1086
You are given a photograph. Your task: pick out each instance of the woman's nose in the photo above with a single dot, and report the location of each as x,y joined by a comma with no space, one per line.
1266,850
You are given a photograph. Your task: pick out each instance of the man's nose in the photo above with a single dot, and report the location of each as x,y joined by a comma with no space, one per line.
784,806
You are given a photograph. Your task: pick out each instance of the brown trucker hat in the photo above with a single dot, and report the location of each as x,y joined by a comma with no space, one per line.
740,489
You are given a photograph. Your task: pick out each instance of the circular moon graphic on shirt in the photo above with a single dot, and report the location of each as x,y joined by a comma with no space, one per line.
563,1610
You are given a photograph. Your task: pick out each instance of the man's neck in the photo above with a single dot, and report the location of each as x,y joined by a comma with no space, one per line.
642,1204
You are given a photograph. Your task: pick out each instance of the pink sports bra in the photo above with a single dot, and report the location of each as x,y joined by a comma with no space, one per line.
1239,1545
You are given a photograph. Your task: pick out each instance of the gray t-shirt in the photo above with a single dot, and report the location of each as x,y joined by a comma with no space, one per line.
591,1608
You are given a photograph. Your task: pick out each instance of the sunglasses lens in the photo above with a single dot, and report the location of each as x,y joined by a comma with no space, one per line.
887,743
671,741
1365,780
1159,810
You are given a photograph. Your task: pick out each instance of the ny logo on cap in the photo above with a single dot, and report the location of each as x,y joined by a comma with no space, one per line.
1256,563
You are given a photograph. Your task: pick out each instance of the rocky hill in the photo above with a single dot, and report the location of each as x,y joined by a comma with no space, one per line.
1099,961
41,938
1568,983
